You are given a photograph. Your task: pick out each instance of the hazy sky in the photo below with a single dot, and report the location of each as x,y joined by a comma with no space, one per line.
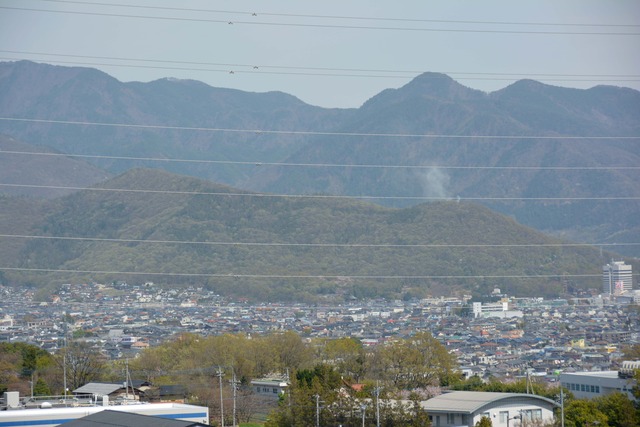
310,48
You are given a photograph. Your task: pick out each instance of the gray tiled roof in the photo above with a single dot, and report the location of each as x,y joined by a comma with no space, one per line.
100,389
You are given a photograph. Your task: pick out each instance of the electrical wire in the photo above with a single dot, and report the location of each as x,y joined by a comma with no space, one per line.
182,9
330,26
335,72
318,245
301,276
319,133
323,165
317,196
287,67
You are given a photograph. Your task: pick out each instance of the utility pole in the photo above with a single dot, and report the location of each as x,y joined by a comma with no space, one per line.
221,400
234,383
561,406
363,408
64,375
377,390
317,410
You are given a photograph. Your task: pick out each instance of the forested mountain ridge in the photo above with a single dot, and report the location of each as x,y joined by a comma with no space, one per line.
152,225
43,167
554,158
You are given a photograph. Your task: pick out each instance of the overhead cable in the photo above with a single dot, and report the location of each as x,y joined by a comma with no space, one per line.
364,18
319,133
290,67
317,74
300,276
259,163
331,26
319,245
316,196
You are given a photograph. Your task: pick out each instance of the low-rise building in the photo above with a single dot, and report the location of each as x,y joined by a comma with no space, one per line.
587,385
466,408
271,387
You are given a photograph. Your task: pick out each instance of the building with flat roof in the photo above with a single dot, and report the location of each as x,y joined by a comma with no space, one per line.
587,385
270,387
617,278
51,417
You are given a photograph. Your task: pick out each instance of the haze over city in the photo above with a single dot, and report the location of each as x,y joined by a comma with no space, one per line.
285,213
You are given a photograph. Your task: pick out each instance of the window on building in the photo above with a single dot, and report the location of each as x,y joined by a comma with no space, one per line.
597,389
450,418
582,387
503,416
275,390
531,414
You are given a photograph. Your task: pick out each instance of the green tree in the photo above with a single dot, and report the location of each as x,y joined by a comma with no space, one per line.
41,388
415,362
348,355
583,413
291,352
619,409
311,392
632,352
484,422
82,364
21,363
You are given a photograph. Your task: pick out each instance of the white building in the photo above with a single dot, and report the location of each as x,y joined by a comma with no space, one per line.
587,385
48,416
617,278
498,309
270,387
466,408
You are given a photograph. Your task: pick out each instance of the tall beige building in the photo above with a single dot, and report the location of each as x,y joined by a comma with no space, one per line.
617,278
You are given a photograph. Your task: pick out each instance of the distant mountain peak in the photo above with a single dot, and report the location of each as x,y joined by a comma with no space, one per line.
441,86
428,85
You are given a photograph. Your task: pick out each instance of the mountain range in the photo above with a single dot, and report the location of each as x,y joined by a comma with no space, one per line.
561,161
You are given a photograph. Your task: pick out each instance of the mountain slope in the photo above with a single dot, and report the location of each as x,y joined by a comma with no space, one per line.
553,166
29,90
46,168
152,225
547,175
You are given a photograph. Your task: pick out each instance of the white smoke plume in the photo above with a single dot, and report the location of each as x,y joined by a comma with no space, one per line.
434,183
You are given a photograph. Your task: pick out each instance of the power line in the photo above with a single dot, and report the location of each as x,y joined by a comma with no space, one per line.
22,52
318,133
331,26
301,276
317,245
182,9
324,165
317,196
335,72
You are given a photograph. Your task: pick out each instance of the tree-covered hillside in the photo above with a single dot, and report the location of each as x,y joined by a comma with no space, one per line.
560,160
153,225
